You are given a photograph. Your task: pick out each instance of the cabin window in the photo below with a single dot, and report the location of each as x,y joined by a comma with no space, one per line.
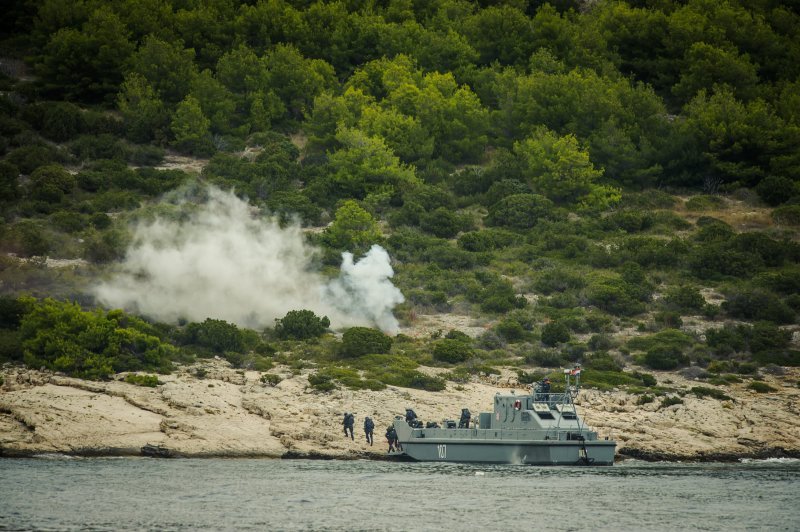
568,415
526,416
544,415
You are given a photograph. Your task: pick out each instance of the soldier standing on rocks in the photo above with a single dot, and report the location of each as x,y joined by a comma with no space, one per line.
349,421
369,426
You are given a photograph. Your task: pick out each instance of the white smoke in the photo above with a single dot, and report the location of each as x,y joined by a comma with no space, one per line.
220,260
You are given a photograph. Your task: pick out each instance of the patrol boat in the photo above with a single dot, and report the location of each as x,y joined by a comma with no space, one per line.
540,428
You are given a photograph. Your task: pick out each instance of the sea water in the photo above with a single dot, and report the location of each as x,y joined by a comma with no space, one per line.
62,493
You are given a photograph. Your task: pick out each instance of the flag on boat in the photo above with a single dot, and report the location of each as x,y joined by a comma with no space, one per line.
576,371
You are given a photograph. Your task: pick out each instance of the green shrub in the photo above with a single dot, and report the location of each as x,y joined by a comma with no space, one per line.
774,190
29,158
50,183
761,387
665,358
10,346
443,222
554,333
150,381
705,203
359,341
668,319
684,298
702,391
146,155
90,345
559,280
647,379
301,325
68,221
520,211
11,312
451,351
645,399
217,335
511,330
545,358
669,401
9,181
106,146
667,338
321,382
630,221
756,304
606,380
787,215
600,342
397,371
487,240
272,379
602,362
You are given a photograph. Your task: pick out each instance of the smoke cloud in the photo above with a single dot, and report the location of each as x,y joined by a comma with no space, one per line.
221,260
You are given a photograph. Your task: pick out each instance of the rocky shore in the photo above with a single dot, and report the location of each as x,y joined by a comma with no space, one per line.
232,413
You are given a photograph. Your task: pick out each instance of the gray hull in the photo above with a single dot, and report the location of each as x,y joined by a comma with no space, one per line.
511,452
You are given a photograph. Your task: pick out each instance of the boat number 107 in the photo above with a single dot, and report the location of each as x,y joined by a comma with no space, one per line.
442,451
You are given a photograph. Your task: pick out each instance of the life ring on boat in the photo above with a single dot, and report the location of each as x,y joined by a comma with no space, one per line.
517,405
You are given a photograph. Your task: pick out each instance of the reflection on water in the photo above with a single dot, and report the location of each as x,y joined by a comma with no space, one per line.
59,493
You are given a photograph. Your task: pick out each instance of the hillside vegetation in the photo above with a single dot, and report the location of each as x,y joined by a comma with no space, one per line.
607,183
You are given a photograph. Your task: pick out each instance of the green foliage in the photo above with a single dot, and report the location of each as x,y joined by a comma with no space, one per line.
149,381
704,391
670,401
360,341
50,183
666,338
353,228
775,190
301,325
218,336
557,166
322,382
685,298
787,215
665,358
520,211
92,345
451,351
191,128
761,387
756,304
602,361
555,333
272,379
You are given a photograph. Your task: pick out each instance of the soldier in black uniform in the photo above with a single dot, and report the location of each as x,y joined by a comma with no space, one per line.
349,421
369,426
391,436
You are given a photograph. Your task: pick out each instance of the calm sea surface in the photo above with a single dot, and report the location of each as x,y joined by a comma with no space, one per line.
59,493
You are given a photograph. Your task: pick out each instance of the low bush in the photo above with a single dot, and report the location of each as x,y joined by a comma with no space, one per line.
150,381
359,341
645,399
272,379
761,387
452,351
787,215
670,401
703,391
665,358
301,325
705,203
555,333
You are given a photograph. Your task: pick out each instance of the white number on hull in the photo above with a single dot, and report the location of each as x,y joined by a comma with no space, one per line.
442,451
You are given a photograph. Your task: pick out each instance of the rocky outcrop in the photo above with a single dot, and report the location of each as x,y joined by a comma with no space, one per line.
231,413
